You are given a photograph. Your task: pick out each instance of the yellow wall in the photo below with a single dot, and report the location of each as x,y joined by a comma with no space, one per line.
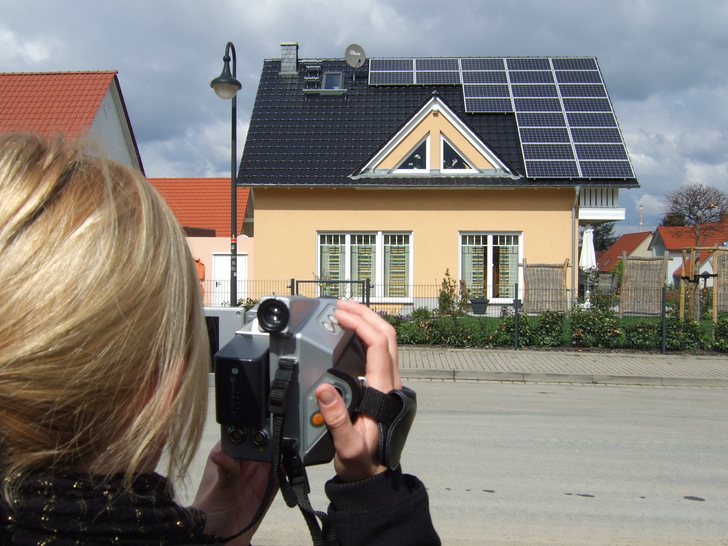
287,221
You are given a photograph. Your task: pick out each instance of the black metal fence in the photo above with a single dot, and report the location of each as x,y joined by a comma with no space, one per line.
528,318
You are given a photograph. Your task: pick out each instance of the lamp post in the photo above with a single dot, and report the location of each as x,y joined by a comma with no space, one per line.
227,87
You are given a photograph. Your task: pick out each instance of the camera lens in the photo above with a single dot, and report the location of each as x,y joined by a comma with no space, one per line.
273,315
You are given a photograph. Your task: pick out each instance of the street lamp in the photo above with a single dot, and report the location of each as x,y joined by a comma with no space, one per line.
227,87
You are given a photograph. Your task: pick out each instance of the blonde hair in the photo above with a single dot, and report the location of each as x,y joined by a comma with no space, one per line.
103,348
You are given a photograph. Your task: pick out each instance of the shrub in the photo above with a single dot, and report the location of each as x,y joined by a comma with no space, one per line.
550,329
448,330
450,301
506,331
415,329
683,335
642,335
720,334
595,327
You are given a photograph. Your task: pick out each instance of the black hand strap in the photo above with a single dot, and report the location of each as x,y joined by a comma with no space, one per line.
394,413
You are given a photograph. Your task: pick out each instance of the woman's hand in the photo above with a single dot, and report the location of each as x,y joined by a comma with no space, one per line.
357,444
230,494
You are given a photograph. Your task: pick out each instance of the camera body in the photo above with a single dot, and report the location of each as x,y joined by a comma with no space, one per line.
303,335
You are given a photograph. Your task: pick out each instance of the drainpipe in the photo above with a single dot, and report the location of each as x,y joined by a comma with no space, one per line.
574,244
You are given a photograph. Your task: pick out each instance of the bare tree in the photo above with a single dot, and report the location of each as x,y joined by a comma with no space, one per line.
698,206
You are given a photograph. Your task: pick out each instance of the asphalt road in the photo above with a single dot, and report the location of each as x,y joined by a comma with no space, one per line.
557,464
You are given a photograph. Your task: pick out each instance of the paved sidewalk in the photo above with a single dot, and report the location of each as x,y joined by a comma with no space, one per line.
527,365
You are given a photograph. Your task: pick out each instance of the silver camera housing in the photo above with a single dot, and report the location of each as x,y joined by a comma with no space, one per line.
301,332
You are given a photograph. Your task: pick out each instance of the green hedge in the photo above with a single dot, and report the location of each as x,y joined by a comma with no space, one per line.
595,327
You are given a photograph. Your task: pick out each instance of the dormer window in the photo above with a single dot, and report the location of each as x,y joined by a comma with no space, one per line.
332,80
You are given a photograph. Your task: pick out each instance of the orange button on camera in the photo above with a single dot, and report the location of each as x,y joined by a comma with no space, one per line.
317,419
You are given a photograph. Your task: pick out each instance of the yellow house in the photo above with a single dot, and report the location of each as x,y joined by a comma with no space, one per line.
398,170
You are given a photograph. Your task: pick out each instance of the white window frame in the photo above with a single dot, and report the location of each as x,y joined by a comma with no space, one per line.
378,287
443,140
428,157
489,260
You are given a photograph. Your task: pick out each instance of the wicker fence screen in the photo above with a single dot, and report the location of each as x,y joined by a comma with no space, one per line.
545,287
642,282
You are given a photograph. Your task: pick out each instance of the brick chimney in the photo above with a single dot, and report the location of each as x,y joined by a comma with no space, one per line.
289,58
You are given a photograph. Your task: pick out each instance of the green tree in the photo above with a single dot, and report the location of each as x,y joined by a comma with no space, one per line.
604,236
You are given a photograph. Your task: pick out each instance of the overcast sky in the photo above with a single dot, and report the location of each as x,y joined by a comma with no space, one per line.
665,64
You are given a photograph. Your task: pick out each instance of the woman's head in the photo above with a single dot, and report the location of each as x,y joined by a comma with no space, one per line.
103,351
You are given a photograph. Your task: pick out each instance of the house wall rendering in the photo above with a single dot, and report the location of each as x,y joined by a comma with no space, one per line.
289,223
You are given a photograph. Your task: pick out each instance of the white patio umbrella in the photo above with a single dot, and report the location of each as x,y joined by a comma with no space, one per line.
588,258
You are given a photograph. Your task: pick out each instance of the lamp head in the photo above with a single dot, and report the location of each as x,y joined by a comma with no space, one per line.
225,85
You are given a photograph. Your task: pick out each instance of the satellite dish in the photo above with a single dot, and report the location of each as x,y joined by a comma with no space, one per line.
355,56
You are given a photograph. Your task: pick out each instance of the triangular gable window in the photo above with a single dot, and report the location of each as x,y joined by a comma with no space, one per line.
417,160
434,142
452,159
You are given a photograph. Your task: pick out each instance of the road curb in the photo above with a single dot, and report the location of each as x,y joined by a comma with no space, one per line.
550,377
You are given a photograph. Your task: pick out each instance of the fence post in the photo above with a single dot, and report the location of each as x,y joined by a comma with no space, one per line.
663,318
367,292
293,287
516,307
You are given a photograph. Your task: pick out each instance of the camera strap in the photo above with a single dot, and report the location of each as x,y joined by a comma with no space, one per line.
394,413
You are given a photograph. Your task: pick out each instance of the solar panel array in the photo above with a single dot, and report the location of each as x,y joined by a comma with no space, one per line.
564,116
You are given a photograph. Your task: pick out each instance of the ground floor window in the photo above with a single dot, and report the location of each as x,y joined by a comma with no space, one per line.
383,258
489,263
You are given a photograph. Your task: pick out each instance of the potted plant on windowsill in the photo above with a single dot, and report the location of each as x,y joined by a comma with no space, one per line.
479,304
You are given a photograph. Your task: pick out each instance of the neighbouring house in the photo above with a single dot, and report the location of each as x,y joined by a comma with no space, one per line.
72,104
397,170
671,241
633,245
202,207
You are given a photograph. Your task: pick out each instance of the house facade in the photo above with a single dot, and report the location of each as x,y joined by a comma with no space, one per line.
672,241
202,207
72,104
397,171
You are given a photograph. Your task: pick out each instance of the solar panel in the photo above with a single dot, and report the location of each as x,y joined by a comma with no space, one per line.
537,105
437,64
563,113
443,78
587,105
592,119
532,77
485,91
548,151
483,64
540,119
488,105
581,63
552,169
483,76
534,90
391,64
550,134
528,64
578,77
607,169
595,135
582,90
601,151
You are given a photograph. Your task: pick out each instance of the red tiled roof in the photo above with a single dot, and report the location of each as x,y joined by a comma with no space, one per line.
52,103
626,243
203,202
678,237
